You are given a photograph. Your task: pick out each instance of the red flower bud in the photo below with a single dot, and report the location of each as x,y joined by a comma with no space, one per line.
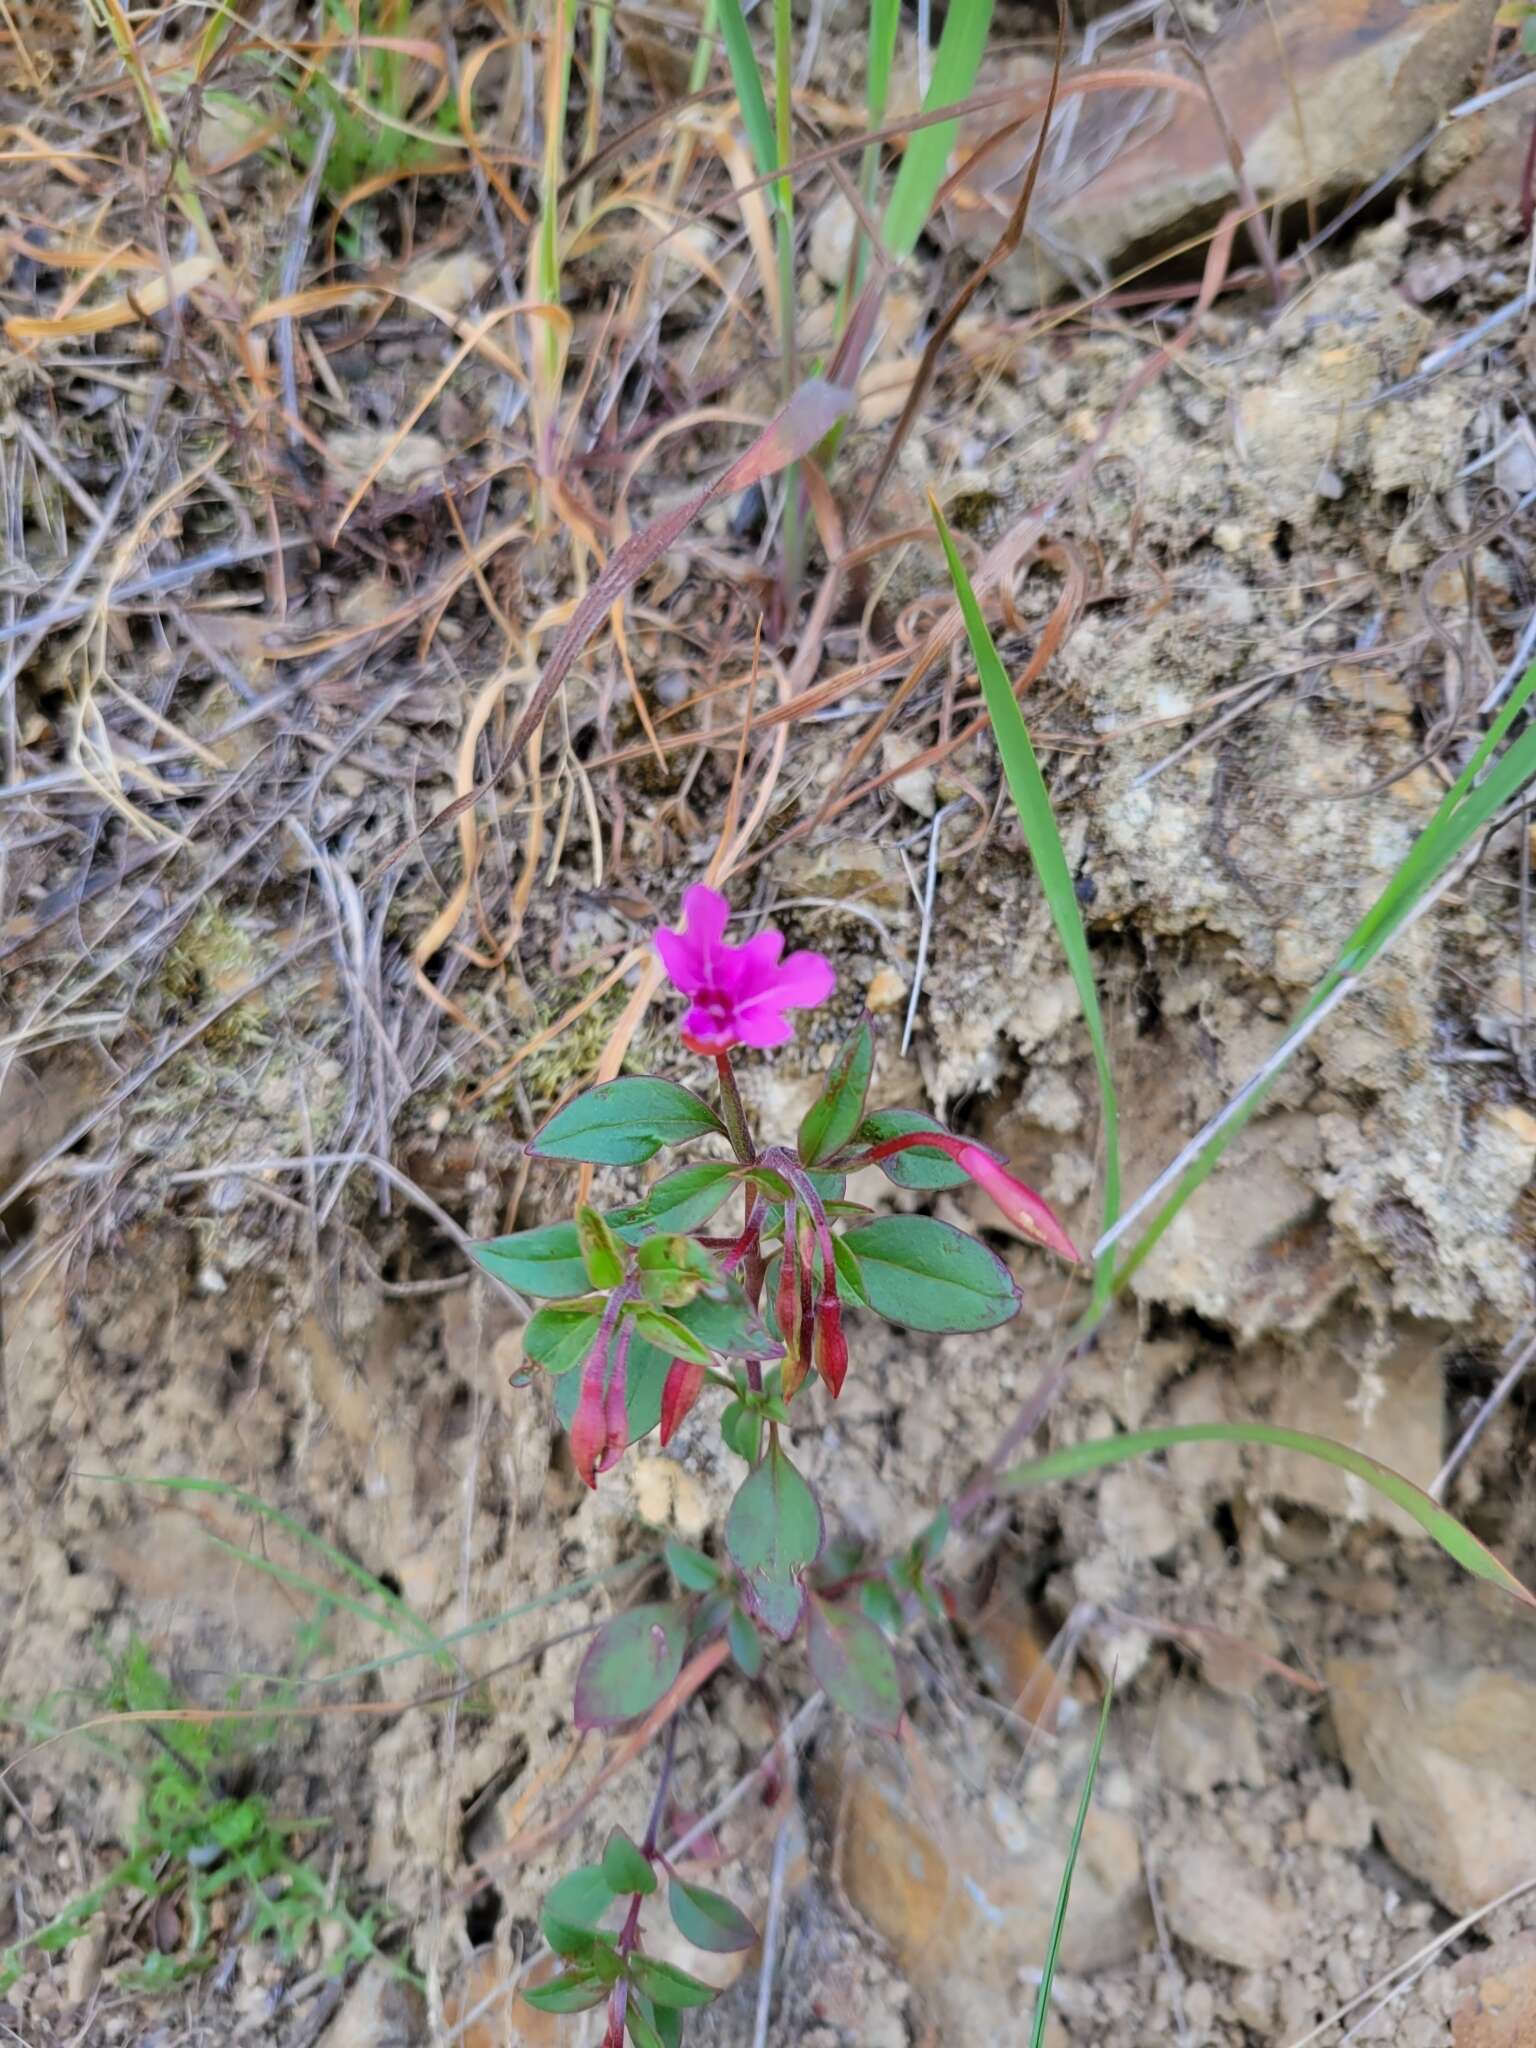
831,1345
1025,1210
684,1384
589,1425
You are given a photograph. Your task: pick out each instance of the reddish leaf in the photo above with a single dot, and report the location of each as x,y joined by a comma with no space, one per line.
632,1661
854,1665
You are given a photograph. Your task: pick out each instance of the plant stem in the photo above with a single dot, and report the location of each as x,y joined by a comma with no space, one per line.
658,1805
734,1111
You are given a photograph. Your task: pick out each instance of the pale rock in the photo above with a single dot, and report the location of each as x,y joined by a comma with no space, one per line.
1219,1904
379,2012
1205,1740
964,1890
885,991
1137,1513
1338,1818
914,787
1247,1249
1497,2005
1253,2002
355,454
832,234
1321,96
1384,1395
447,283
669,1497
1439,1738
1052,1102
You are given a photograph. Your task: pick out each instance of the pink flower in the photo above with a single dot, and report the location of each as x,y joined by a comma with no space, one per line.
740,993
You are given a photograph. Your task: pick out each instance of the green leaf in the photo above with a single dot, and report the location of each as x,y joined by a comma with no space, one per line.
933,1539
558,1338
601,1252
626,1868
1041,2022
850,1274
1032,801
930,1276
625,1122
928,150
708,1920
741,1428
545,1262
693,1571
854,1665
645,1376
1455,1540
747,79
679,1201
671,1335
630,1664
774,1533
666,1985
746,1648
723,1319
918,1167
574,1908
879,1602
640,2024
660,2027
673,1269
572,1991
834,1116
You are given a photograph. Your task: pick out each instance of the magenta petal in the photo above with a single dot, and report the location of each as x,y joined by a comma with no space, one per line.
706,1033
760,1026
705,911
799,983
680,957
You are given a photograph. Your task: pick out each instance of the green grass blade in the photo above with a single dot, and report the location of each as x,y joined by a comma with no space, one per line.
884,19
1456,1541
747,79
401,1618
1032,801
1064,1889
955,64
571,1590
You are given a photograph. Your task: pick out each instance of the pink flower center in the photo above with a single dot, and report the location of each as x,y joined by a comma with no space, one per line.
717,1006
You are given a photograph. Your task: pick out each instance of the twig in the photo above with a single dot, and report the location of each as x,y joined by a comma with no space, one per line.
771,1933
923,936
1481,1420
293,259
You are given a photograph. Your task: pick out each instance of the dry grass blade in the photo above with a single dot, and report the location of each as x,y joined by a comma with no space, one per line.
811,413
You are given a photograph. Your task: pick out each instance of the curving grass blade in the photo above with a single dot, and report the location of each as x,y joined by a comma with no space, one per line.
1453,1538
1032,801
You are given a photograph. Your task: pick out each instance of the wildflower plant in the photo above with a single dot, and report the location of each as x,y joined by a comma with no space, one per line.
654,1307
